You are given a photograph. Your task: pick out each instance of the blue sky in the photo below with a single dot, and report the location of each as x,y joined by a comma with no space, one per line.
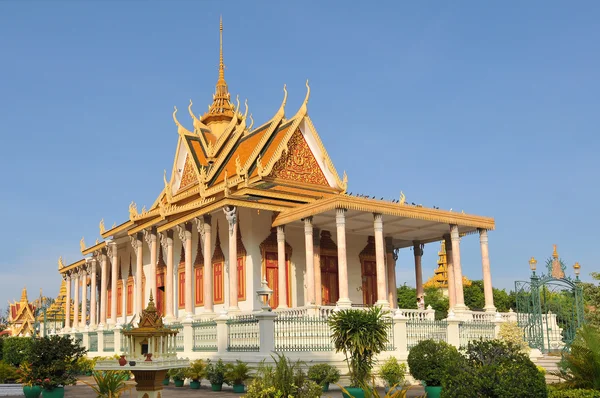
486,107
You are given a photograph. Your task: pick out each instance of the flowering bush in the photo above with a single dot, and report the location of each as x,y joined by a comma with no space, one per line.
510,332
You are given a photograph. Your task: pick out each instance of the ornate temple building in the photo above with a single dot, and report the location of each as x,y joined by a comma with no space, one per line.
439,280
21,317
245,203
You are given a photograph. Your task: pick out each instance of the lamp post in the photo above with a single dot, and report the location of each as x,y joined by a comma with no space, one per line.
532,265
263,296
577,269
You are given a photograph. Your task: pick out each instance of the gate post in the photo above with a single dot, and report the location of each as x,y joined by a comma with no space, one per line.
453,330
222,332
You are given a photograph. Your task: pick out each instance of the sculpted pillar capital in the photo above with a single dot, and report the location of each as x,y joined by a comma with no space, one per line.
418,248
378,222
280,234
340,217
454,232
308,225
483,236
231,216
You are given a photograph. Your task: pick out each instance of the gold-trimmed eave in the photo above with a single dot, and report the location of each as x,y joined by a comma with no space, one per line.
183,132
221,203
267,193
383,207
72,266
92,249
119,228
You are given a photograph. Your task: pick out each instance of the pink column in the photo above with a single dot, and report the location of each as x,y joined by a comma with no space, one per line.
113,282
185,234
169,276
487,274
84,275
450,273
460,297
391,273
418,252
76,303
281,274
208,271
231,216
317,265
103,287
93,294
152,242
340,221
68,301
310,266
136,243
382,289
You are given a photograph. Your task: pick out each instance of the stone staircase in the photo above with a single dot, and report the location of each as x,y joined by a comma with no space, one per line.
550,363
11,390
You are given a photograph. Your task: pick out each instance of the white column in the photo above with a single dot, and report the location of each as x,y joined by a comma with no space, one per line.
340,220
169,277
450,273
208,271
382,289
487,274
310,266
418,252
84,275
103,287
458,283
317,265
68,302
93,294
138,248
231,216
281,277
151,240
113,283
189,277
76,303
391,273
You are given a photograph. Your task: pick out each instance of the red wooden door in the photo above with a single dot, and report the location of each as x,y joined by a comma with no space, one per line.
272,276
218,283
199,273
329,280
369,282
241,278
120,300
108,302
181,285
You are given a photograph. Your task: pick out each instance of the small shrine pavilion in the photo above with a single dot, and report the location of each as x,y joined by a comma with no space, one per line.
21,318
244,202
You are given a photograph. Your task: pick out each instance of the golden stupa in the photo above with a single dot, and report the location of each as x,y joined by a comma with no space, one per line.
439,280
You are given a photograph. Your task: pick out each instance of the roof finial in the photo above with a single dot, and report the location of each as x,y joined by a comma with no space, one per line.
221,64
554,252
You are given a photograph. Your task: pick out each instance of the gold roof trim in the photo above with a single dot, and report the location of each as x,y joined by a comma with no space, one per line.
72,266
274,194
91,249
119,228
383,207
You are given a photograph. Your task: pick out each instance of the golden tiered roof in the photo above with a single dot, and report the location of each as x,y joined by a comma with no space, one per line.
20,316
56,310
440,276
280,166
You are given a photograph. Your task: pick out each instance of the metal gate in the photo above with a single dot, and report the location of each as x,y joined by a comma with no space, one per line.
550,306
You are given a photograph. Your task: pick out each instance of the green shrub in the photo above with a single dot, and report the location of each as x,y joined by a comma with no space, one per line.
510,332
237,374
16,349
55,358
7,372
215,372
323,373
285,379
554,392
494,369
429,360
196,371
177,373
580,367
84,365
392,372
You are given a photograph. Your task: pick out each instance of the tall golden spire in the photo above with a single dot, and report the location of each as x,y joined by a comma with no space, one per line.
221,110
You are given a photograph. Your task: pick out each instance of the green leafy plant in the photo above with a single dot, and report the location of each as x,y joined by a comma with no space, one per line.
395,391
494,369
236,374
555,392
109,384
177,373
580,367
84,365
55,360
360,335
10,373
196,371
429,360
215,372
285,379
392,372
15,350
323,373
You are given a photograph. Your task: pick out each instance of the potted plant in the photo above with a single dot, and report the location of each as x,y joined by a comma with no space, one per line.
361,335
428,362
109,383
236,374
167,379
26,377
323,374
178,375
215,372
195,373
392,373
